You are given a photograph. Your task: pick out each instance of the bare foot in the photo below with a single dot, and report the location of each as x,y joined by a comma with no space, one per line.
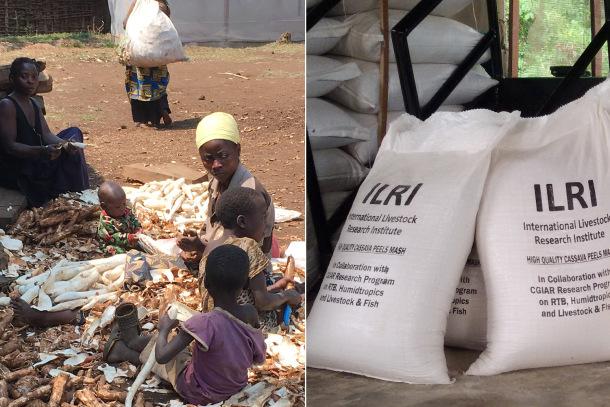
41,319
167,119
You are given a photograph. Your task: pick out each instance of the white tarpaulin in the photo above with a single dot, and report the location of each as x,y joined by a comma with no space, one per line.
227,20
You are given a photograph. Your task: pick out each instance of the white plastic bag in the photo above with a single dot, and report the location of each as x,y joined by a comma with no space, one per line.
543,236
151,39
382,308
436,40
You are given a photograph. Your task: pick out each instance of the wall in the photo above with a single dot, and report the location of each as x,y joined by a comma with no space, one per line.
228,20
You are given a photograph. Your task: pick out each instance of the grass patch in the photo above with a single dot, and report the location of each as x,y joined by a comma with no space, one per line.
88,117
76,40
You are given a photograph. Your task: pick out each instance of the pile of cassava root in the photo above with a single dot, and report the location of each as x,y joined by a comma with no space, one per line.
69,285
37,367
56,221
174,201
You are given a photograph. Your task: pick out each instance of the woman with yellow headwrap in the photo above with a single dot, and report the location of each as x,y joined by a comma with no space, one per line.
218,142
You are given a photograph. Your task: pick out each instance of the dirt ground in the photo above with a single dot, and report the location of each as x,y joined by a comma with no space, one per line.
564,386
88,92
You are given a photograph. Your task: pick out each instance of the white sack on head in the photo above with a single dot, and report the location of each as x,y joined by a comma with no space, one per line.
543,236
151,39
382,308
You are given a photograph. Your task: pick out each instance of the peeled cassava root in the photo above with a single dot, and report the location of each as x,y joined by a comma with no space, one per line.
172,200
71,285
146,369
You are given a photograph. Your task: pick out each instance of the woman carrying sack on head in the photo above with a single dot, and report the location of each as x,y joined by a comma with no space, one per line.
147,87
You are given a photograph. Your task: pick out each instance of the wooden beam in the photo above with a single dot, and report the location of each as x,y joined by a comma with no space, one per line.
596,18
513,39
382,116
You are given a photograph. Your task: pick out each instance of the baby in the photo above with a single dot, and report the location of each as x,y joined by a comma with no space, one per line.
118,226
226,339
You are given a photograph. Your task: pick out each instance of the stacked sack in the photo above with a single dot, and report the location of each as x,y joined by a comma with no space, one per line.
351,38
436,46
536,190
394,272
329,126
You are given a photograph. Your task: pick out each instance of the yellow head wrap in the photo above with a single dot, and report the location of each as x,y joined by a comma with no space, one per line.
217,126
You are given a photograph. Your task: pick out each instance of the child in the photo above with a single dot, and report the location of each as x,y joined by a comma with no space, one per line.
226,340
118,227
117,234
242,214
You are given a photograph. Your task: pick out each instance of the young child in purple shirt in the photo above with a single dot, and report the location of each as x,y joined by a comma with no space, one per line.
227,339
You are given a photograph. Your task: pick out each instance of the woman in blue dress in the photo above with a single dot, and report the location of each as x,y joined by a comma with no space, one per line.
35,161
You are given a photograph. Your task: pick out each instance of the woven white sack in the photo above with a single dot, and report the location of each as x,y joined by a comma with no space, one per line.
436,40
467,321
361,94
543,237
325,74
150,38
382,308
447,8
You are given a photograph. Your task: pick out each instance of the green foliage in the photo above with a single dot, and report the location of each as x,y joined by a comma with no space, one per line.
78,40
552,33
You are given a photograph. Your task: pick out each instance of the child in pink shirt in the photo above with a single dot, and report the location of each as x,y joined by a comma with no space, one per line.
227,340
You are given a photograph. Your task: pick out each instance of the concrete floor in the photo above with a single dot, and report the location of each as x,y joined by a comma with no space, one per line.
573,386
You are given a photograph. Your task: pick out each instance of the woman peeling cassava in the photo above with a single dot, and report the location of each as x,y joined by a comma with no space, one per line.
218,142
33,159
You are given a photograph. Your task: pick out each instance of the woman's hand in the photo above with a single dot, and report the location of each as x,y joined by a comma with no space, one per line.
166,324
70,148
52,151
